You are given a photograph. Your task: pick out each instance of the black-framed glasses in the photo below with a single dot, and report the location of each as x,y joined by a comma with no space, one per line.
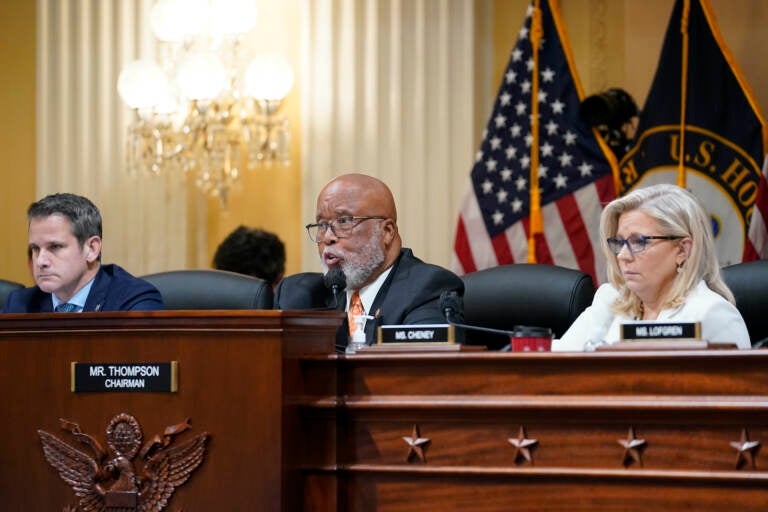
635,243
341,227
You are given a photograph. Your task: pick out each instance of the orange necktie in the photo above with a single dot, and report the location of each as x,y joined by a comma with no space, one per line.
355,309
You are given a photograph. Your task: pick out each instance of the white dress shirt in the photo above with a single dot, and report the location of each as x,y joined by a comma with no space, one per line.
368,293
720,321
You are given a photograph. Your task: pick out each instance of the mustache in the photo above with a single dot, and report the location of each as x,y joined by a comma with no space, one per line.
331,252
341,264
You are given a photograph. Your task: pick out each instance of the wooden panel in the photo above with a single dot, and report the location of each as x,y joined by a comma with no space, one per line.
230,376
522,492
296,427
687,407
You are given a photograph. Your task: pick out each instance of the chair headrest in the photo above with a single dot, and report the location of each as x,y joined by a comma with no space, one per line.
749,284
6,287
211,289
526,294
301,291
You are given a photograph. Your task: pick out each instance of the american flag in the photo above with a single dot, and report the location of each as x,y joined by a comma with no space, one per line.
575,171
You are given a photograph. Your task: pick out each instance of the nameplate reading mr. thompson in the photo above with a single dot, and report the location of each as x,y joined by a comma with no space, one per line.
411,334
125,377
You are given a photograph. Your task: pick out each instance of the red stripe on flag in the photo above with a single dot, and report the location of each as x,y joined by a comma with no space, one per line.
542,249
577,234
502,249
462,249
605,190
750,253
761,201
760,209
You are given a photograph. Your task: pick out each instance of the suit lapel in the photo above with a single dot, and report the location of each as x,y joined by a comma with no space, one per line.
98,294
44,302
378,309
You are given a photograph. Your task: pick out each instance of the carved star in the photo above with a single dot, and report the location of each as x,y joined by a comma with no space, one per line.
633,449
416,445
523,446
746,450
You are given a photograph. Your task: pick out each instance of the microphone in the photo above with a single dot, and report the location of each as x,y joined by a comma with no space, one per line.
451,303
336,281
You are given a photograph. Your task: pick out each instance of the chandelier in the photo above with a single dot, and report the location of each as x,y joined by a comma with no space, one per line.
203,109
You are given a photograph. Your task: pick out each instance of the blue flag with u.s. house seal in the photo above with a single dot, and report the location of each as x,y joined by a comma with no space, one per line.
700,101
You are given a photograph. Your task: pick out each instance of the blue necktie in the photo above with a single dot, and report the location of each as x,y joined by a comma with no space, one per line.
66,307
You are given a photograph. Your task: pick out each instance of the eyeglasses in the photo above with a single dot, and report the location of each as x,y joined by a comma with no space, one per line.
341,227
635,243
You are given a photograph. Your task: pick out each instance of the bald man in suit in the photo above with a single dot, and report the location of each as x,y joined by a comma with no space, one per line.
356,231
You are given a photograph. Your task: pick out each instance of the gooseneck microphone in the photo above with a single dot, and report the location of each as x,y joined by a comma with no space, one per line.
451,303
336,281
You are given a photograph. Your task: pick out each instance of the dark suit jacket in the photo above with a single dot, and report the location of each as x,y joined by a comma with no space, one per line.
410,295
113,289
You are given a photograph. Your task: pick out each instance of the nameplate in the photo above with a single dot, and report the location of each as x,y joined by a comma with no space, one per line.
417,334
649,331
125,377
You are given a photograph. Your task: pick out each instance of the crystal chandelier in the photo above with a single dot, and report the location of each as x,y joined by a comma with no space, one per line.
203,110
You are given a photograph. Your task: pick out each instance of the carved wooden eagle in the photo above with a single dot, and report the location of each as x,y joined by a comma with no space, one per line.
109,480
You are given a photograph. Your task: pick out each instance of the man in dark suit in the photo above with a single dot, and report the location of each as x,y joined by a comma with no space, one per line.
65,252
356,231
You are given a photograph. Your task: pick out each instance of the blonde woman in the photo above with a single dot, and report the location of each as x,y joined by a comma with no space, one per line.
662,266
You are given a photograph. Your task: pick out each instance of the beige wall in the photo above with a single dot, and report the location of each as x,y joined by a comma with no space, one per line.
17,133
742,24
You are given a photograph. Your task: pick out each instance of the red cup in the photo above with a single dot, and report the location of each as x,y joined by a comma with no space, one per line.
531,339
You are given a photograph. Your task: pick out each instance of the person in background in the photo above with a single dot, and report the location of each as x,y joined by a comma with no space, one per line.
356,231
662,266
252,252
65,258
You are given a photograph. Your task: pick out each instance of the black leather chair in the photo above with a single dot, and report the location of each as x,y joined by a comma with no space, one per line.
6,287
749,284
303,291
211,289
524,294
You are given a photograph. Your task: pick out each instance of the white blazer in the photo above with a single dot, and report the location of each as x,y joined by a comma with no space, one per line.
720,320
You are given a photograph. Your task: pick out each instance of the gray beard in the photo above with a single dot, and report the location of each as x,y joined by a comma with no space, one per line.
359,267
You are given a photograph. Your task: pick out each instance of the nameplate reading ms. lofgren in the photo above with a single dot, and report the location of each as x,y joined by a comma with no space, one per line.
125,377
648,331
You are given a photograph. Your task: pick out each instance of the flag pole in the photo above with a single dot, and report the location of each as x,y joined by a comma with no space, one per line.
536,223
681,178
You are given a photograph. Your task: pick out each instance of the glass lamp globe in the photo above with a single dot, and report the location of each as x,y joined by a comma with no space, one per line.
232,17
268,77
201,76
142,85
169,103
178,20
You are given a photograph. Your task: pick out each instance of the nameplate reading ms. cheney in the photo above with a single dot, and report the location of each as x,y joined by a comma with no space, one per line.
416,334
125,377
